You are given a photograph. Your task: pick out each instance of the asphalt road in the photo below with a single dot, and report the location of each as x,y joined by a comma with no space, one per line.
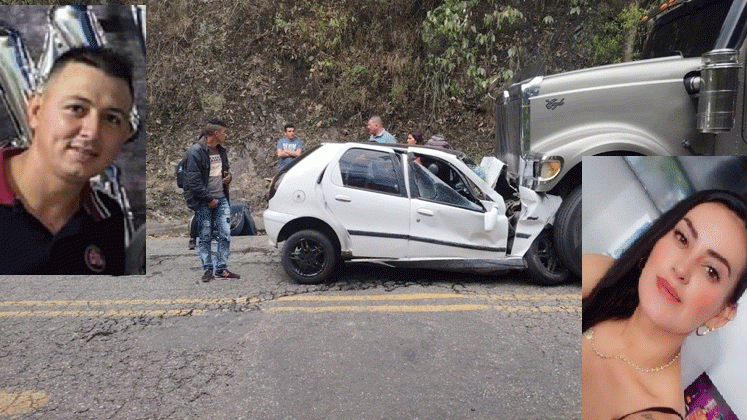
378,343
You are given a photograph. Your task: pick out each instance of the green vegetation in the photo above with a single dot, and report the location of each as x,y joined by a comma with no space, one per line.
461,44
607,46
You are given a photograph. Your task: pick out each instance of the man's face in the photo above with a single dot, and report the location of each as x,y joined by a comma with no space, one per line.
373,127
221,135
80,121
290,132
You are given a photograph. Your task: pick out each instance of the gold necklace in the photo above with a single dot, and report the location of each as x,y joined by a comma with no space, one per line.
589,334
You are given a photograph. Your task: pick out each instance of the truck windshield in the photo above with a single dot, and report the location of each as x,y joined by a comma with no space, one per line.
689,30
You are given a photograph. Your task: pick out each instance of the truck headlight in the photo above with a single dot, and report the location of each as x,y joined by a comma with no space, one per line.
549,169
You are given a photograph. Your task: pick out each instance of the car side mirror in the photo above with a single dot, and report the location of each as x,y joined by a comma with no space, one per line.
491,219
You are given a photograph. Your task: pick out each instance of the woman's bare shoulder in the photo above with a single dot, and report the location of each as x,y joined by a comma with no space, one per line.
594,267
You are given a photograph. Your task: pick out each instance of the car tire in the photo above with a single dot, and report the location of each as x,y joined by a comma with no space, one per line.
237,219
567,231
543,263
308,257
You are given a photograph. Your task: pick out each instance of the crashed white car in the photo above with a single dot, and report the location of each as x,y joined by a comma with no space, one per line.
406,206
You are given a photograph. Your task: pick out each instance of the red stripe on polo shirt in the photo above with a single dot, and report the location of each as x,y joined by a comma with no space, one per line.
7,196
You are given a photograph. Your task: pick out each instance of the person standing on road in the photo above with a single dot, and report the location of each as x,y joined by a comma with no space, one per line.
53,222
289,147
378,134
206,180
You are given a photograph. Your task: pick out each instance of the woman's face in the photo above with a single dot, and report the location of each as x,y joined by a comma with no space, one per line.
693,269
411,139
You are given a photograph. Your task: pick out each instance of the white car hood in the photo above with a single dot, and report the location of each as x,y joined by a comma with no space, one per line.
492,168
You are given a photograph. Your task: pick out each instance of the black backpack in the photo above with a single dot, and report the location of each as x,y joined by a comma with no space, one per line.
180,168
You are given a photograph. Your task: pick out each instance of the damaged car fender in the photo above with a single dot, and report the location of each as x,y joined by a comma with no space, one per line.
537,211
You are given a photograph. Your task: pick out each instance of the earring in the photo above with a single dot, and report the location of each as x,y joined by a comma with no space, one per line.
642,263
701,332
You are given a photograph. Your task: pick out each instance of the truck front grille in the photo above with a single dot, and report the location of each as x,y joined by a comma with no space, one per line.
508,129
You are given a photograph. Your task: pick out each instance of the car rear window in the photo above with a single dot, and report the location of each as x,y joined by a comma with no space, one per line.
370,169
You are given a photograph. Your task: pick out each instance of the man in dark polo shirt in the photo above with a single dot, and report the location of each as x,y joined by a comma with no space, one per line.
52,222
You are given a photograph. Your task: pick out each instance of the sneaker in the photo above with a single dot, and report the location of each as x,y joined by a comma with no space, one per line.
207,276
192,243
225,274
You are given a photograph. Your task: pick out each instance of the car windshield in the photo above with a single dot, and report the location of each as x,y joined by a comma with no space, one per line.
477,169
690,30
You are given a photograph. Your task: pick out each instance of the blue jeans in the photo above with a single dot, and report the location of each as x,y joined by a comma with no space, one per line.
214,224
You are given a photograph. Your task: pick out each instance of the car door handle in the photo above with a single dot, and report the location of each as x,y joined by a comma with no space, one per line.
425,212
343,198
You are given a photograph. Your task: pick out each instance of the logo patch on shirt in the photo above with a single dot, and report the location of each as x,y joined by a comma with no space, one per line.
95,259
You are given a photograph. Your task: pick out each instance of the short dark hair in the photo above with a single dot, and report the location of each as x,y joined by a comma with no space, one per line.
212,125
616,294
110,62
287,126
216,121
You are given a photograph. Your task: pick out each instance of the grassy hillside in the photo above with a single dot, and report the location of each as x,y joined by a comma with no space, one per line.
328,66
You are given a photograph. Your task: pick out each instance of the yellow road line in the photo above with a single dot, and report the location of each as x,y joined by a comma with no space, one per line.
539,296
423,308
55,314
65,308
128,302
358,298
424,296
306,298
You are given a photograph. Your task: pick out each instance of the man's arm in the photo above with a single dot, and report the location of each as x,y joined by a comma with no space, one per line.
193,180
299,149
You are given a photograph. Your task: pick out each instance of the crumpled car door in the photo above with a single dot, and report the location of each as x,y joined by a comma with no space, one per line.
447,224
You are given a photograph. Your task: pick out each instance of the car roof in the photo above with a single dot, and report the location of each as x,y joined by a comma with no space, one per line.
403,147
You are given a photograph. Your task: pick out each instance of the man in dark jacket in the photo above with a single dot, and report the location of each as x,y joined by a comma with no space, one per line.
206,180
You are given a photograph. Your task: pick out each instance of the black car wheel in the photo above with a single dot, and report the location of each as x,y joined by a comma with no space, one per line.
567,231
309,257
237,219
543,263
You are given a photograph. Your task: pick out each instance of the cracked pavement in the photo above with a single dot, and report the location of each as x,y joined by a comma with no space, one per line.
378,343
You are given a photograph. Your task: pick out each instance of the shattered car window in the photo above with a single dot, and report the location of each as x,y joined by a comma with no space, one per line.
472,165
369,169
430,187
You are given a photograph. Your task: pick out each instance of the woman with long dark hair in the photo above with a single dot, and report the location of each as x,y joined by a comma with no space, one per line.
414,137
684,274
